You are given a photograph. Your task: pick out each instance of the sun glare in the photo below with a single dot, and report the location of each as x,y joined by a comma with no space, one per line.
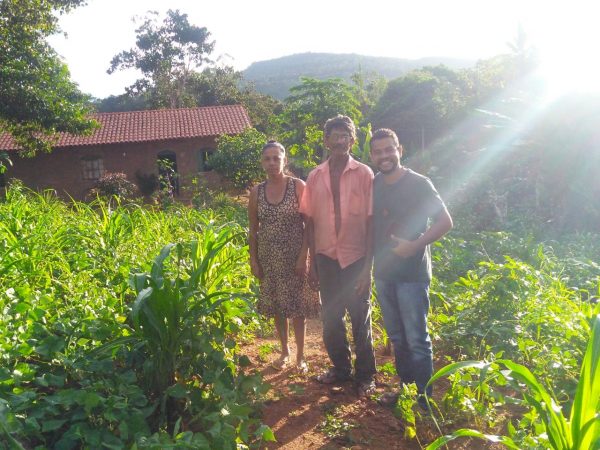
567,48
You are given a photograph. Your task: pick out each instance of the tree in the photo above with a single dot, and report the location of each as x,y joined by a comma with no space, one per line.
166,53
421,105
305,112
318,100
238,157
123,102
369,88
37,97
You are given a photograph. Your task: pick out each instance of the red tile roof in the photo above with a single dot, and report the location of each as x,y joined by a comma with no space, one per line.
155,125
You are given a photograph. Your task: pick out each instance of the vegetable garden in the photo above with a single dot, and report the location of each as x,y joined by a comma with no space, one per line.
121,326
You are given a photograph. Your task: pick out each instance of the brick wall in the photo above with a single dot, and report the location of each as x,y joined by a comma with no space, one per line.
62,170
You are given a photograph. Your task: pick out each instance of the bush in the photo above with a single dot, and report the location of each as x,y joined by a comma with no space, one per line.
114,185
148,183
238,157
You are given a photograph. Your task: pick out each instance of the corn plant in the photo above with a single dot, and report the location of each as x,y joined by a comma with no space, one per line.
183,321
580,431
170,311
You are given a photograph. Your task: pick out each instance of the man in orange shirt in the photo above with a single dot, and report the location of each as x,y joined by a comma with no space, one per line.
337,203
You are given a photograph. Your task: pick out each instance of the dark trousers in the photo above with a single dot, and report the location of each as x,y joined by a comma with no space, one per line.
338,295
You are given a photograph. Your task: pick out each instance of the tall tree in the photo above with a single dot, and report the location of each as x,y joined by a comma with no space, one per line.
369,88
421,105
322,99
37,96
167,54
305,112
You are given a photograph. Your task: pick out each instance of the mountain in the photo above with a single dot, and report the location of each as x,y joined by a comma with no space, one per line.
276,76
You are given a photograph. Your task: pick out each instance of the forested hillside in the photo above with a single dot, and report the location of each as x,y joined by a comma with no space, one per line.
276,76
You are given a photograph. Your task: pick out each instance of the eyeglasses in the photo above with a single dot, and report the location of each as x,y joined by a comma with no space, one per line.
337,137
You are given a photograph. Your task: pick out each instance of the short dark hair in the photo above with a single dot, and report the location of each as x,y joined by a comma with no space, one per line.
383,133
273,143
340,121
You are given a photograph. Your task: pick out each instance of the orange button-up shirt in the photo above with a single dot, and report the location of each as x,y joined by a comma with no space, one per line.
356,205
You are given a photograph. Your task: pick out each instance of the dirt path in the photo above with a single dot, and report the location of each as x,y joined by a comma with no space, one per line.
307,415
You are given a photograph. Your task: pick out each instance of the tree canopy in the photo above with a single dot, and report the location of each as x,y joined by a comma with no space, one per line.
37,96
238,158
166,53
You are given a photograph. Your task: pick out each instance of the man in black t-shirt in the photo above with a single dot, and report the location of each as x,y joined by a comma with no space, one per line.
408,215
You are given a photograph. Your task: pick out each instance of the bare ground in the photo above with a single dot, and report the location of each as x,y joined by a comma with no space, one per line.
304,414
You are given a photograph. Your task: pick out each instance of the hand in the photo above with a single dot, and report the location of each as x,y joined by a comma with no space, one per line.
404,248
363,283
256,268
301,268
313,277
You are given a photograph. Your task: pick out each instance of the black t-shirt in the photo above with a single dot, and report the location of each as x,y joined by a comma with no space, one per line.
403,209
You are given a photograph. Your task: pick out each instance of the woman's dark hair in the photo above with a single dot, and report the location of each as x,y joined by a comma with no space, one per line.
275,144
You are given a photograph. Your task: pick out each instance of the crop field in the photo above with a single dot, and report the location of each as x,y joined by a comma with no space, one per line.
121,325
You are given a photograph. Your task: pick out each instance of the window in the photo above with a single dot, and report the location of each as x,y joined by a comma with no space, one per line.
93,168
203,159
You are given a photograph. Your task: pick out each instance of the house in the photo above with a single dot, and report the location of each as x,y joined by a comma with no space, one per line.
136,143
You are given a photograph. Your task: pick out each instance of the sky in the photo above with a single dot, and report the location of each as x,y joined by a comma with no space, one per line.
565,33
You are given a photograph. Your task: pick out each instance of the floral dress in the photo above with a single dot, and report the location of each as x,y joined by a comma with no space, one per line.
280,231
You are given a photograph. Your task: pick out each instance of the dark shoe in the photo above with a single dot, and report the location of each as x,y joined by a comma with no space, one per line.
331,377
388,399
424,405
366,388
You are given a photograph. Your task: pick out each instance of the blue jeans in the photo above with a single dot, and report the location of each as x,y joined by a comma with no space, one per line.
404,306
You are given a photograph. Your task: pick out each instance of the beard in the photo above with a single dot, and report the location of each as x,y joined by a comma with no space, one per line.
394,166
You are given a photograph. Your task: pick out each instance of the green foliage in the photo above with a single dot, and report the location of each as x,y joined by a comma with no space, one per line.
166,53
362,147
319,100
309,106
79,357
114,185
421,105
307,154
525,307
276,76
404,409
37,97
336,427
265,351
581,430
533,307
238,157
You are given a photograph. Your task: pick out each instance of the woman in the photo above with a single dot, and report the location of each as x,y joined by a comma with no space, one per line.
278,251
